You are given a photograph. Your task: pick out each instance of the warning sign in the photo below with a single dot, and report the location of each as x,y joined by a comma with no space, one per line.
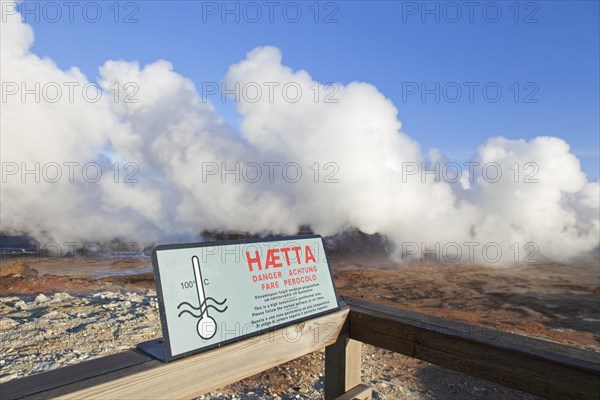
215,293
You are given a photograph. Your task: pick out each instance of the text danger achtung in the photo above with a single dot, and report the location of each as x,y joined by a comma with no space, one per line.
294,257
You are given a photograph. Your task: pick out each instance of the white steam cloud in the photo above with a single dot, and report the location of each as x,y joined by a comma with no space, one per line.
359,170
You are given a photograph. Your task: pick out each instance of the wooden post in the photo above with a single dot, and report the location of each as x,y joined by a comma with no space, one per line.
342,365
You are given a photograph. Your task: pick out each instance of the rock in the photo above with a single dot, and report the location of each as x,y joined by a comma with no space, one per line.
18,268
9,377
47,366
134,297
7,323
59,297
41,298
20,305
109,296
54,315
8,300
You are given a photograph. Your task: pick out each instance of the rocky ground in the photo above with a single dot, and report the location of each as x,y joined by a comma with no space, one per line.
48,321
44,332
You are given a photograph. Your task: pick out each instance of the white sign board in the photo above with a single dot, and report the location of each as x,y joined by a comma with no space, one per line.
214,293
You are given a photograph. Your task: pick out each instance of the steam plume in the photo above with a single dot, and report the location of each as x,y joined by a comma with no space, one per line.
359,169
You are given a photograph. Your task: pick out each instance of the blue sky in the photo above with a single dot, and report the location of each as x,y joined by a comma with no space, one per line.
547,51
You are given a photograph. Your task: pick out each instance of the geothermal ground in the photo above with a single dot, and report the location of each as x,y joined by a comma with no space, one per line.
61,312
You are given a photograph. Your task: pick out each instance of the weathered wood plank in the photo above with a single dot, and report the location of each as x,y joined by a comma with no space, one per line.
342,365
117,365
207,371
360,392
353,364
536,366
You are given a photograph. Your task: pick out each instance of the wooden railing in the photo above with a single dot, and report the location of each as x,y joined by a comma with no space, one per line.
535,366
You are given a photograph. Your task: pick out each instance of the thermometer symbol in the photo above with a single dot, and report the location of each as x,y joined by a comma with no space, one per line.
207,327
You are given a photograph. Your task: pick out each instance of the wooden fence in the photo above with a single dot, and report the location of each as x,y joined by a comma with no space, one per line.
535,366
